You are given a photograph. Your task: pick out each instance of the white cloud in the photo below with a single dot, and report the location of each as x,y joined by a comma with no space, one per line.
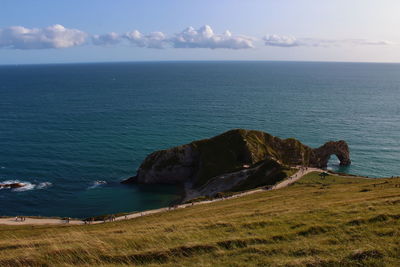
280,40
205,37
368,42
151,40
291,41
56,36
111,38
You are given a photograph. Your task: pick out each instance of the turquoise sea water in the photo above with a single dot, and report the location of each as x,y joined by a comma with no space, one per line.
64,127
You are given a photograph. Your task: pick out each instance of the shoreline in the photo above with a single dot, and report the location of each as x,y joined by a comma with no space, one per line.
175,204
35,220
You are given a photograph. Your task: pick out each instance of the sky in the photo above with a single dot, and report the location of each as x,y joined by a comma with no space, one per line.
67,31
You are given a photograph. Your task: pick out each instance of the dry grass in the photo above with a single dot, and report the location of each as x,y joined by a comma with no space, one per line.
337,221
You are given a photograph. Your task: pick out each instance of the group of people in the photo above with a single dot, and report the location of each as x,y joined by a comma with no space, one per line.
20,218
302,168
173,207
88,221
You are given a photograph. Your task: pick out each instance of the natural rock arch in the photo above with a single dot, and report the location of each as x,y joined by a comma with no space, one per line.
320,156
202,160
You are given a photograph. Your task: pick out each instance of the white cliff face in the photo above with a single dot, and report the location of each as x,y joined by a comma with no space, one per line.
172,166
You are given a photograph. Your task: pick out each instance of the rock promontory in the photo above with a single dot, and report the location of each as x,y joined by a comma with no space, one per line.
235,160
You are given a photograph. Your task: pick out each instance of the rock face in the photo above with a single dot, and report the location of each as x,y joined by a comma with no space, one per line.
12,185
207,161
169,166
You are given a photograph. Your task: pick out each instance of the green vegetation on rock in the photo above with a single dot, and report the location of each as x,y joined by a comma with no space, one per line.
229,151
232,161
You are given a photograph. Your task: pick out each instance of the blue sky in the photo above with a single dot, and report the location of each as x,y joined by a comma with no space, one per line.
44,31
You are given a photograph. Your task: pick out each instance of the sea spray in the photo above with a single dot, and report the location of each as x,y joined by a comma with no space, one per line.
97,184
24,185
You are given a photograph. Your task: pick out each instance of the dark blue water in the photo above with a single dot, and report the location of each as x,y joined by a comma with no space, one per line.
64,127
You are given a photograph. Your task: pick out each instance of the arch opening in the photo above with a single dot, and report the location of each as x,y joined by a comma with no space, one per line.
323,154
335,164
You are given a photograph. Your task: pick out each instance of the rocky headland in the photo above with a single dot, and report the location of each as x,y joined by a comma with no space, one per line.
236,160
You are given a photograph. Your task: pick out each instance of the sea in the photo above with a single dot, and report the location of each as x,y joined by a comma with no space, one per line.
72,132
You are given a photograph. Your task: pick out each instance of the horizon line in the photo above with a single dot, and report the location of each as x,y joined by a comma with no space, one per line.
178,61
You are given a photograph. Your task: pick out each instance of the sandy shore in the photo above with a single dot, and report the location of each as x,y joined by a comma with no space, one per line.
43,221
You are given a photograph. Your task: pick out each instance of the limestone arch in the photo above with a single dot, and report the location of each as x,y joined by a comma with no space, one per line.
320,156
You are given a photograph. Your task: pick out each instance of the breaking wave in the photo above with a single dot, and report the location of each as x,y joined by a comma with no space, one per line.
97,184
24,186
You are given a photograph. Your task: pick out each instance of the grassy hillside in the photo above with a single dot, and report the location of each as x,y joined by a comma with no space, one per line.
337,221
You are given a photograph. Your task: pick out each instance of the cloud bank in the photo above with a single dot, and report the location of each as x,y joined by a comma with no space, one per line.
151,40
280,40
111,38
205,37
291,41
56,36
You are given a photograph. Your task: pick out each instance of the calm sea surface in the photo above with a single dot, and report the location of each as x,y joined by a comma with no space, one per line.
75,131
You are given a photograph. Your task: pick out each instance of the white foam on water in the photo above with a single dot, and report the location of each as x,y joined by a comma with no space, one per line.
97,184
43,185
27,186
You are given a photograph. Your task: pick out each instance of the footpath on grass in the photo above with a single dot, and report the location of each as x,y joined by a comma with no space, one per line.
43,221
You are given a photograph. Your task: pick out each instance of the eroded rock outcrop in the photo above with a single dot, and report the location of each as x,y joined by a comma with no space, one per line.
169,166
12,185
205,162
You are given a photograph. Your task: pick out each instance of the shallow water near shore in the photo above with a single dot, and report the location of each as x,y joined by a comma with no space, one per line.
73,132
